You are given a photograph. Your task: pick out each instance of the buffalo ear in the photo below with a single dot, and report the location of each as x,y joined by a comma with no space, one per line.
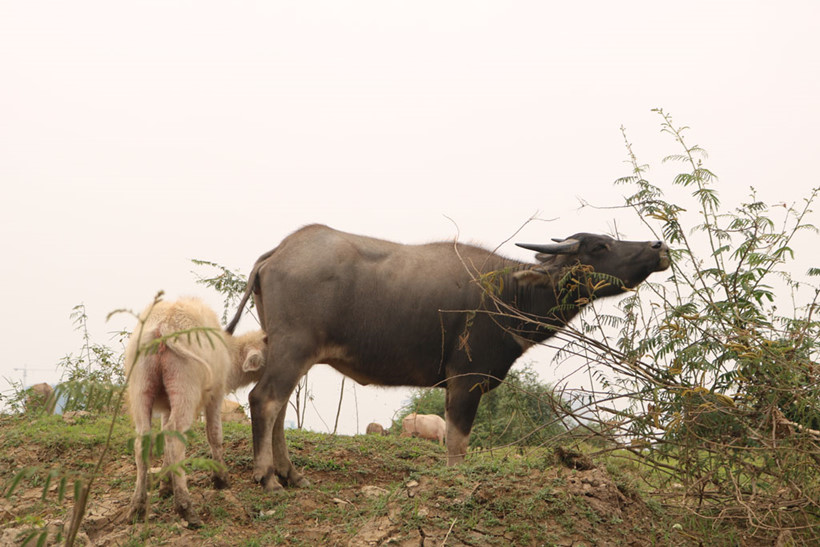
534,277
254,360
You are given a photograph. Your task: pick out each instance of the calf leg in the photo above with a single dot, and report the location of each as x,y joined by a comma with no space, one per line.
213,429
166,489
180,420
461,406
141,415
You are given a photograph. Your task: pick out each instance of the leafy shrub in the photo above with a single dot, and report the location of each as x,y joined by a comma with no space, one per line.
716,367
521,410
93,378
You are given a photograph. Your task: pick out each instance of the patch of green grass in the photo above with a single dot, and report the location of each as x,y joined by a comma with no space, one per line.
590,514
119,483
493,499
338,512
219,512
271,537
318,464
52,433
235,431
209,532
264,505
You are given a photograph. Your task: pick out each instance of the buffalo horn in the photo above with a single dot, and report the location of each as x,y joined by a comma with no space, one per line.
562,247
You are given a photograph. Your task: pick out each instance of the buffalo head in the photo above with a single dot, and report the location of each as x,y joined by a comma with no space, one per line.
629,261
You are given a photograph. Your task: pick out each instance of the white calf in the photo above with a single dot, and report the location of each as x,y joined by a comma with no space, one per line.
177,368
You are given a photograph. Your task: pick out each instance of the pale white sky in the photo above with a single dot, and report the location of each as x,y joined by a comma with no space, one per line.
135,136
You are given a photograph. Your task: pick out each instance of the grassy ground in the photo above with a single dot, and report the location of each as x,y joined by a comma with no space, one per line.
366,490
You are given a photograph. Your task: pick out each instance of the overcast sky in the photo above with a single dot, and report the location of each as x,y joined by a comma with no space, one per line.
135,136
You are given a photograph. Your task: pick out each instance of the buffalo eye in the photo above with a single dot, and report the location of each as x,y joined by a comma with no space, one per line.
599,248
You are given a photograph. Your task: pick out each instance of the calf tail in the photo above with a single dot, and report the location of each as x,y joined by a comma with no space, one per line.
173,344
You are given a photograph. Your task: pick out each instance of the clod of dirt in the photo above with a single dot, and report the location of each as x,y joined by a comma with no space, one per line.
573,459
373,491
599,491
73,416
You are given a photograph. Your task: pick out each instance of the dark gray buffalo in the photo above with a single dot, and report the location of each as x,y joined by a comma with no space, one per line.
442,314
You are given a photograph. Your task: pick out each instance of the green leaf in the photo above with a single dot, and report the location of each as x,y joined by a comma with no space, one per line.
23,473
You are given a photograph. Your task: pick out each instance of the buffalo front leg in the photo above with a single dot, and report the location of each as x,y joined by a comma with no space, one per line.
460,410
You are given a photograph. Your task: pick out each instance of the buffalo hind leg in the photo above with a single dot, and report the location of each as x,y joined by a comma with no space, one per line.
267,400
460,409
262,433
285,470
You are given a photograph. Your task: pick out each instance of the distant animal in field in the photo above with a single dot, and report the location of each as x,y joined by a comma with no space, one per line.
178,361
375,429
40,397
233,412
440,314
427,426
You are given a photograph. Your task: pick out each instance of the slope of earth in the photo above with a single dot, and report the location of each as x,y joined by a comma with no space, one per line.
366,490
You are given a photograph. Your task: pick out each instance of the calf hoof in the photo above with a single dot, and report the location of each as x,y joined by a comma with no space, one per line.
165,489
136,513
188,514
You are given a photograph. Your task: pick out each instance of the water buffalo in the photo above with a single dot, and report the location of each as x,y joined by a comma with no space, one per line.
426,426
375,429
41,397
441,314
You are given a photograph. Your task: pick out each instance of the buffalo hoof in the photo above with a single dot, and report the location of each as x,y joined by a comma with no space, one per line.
293,478
270,483
267,479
